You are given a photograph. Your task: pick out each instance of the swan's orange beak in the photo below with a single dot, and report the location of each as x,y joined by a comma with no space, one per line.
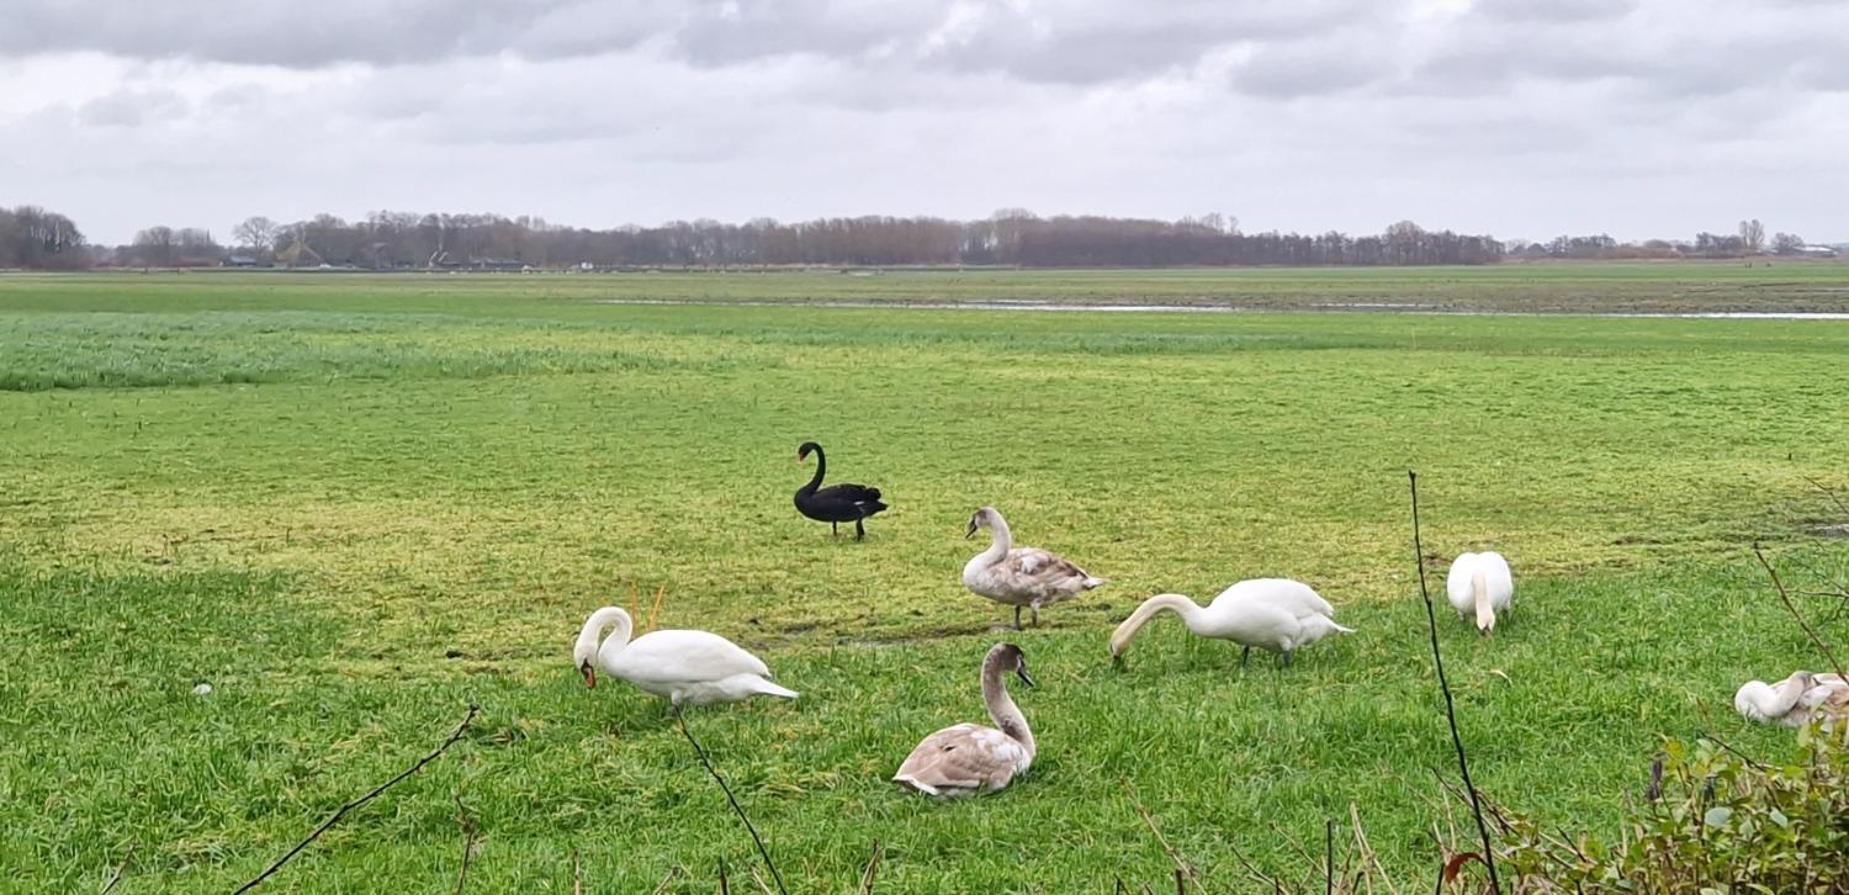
590,675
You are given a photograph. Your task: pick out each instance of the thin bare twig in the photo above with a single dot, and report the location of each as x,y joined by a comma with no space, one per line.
469,830
115,879
725,885
1793,609
736,808
654,615
759,879
1367,851
1181,864
872,872
1757,765
1828,493
1251,869
577,874
1457,741
673,874
1328,857
461,729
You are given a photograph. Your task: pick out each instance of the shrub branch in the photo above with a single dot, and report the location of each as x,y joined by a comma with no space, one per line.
1457,741
328,824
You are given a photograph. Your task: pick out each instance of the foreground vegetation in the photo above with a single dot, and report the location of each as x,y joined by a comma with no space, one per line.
356,505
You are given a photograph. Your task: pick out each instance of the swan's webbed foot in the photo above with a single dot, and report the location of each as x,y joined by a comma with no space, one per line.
860,532
1287,654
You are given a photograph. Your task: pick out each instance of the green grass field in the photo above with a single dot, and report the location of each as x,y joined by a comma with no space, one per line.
355,505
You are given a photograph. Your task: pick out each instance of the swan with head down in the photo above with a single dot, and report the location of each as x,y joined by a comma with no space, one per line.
683,667
1275,614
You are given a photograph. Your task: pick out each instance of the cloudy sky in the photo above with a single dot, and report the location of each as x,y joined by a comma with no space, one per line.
1521,118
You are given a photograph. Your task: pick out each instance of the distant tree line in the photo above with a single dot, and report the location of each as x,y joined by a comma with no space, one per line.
34,238
1748,240
1013,237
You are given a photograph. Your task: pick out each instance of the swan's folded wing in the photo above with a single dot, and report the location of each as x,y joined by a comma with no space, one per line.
1035,564
964,758
670,656
849,492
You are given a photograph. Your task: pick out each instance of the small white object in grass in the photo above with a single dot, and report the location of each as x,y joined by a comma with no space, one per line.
203,690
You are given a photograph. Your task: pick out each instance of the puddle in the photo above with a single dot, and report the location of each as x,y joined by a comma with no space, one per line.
1361,307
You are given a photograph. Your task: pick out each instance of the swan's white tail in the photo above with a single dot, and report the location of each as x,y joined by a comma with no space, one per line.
766,688
1092,581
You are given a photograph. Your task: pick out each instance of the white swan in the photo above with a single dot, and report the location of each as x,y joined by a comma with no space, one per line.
690,667
1276,614
1020,576
1795,700
1480,583
969,758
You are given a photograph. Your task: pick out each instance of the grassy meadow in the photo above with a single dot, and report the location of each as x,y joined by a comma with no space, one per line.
354,505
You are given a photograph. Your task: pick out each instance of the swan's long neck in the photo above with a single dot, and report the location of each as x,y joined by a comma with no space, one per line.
1479,588
607,617
1762,702
1002,540
1002,710
821,468
1176,603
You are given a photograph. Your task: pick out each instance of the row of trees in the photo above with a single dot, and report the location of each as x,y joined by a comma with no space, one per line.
1750,239
389,240
32,237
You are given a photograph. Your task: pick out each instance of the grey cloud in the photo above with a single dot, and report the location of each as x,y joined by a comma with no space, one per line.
1309,68
1082,43
1552,10
294,35
1055,41
132,108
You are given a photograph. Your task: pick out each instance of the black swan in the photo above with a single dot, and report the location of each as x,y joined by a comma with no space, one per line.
834,504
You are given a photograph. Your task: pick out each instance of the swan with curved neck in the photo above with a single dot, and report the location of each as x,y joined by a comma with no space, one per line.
969,758
1275,614
1795,700
1480,584
684,667
838,503
1022,577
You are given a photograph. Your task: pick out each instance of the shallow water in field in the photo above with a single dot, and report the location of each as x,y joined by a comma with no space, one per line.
1235,309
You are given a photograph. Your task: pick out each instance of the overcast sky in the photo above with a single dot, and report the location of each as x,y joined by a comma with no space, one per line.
1520,118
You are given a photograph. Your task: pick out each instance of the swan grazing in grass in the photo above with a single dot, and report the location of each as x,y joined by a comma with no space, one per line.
1276,614
1795,700
684,667
969,758
1020,576
1480,583
835,504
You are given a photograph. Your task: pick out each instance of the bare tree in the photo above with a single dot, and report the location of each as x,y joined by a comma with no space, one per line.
257,233
154,246
1753,236
1787,243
